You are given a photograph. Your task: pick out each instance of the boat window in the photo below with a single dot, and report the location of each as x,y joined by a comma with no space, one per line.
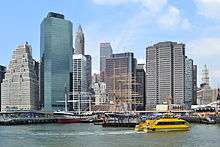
171,123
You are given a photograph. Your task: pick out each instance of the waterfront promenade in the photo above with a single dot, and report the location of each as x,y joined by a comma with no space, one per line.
111,119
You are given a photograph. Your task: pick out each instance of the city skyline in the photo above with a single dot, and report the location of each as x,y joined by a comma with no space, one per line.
132,29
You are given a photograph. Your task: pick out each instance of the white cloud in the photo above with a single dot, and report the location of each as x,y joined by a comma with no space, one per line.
153,6
168,15
172,18
206,47
206,51
208,8
110,2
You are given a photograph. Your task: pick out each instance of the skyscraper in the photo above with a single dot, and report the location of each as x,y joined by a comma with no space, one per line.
89,71
79,42
165,70
20,88
56,43
105,52
80,94
140,80
120,78
194,85
2,76
189,87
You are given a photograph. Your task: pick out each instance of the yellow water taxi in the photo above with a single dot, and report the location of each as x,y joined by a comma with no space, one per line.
167,124
142,125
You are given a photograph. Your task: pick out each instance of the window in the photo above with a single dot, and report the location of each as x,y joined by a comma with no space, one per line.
171,123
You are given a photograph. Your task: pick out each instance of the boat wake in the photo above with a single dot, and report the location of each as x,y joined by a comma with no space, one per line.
86,133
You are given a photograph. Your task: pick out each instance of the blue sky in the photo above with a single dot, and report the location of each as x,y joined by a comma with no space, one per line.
130,25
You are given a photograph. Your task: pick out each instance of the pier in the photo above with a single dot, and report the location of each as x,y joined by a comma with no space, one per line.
25,121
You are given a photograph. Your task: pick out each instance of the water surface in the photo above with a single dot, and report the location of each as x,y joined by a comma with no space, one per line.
89,135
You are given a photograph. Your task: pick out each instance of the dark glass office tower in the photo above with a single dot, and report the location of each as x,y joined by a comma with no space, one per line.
56,60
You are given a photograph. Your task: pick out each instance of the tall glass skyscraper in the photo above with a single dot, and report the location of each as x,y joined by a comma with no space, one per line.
56,44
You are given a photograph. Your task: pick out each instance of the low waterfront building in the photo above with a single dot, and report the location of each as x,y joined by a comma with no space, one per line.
20,88
206,95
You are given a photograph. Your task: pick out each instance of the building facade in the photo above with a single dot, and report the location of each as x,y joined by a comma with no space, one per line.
89,71
120,78
165,70
80,42
56,43
2,76
105,52
80,91
194,102
189,87
206,94
140,86
20,88
100,93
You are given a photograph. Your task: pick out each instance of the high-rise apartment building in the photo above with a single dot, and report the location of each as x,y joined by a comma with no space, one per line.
20,88
56,43
189,87
2,76
80,42
120,78
165,70
105,52
80,91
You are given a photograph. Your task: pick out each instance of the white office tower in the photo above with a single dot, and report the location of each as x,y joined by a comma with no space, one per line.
20,88
80,93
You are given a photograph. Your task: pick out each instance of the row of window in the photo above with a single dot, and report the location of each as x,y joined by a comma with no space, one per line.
172,123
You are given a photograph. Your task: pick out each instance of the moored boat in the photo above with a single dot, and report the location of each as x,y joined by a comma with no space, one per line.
67,117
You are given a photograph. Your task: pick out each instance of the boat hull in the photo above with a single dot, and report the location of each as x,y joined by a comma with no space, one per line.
68,120
147,130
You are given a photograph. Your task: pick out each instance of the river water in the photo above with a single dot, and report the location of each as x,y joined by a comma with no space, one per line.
89,135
